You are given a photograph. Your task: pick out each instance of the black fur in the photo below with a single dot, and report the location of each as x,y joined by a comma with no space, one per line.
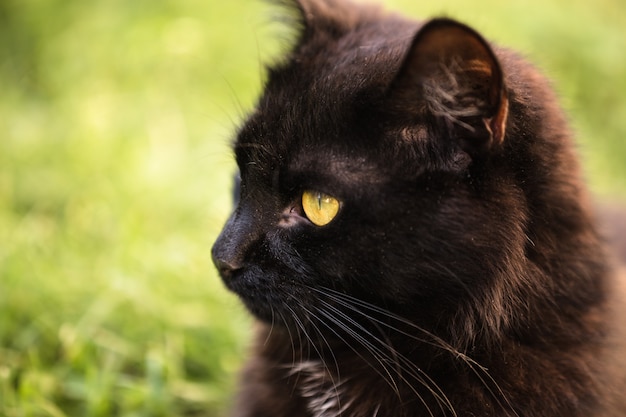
463,274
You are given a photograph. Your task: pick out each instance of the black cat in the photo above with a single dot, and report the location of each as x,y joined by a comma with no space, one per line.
413,235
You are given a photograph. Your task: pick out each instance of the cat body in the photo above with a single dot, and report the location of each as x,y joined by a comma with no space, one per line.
455,269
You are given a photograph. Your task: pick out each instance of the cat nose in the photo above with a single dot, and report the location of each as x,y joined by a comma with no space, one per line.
225,268
230,249
226,265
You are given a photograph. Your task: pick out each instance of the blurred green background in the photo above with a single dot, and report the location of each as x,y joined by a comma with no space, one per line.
115,119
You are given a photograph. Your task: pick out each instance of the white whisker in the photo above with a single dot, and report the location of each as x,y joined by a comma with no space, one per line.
429,338
402,362
335,381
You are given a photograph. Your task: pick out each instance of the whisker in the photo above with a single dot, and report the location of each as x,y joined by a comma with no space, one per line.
301,329
325,340
350,300
291,339
404,364
380,357
269,334
478,370
333,320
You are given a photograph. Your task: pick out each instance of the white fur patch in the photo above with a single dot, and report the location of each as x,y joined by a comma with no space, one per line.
325,394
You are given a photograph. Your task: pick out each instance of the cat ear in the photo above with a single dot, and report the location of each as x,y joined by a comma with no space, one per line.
451,73
314,11
330,17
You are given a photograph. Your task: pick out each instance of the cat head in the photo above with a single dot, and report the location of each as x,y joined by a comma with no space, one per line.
377,165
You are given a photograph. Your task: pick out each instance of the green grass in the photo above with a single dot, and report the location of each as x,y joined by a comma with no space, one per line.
114,181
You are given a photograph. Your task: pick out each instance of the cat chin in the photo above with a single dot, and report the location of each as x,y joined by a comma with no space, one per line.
273,316
263,311
256,301
264,314
267,295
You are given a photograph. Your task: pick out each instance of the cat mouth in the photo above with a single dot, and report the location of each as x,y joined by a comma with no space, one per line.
265,294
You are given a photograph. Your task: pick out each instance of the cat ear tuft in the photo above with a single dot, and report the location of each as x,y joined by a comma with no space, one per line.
313,11
451,73
331,18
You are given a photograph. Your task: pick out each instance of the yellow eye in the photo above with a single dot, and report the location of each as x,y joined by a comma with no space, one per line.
320,208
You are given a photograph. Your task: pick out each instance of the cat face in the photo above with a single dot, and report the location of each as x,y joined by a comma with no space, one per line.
366,171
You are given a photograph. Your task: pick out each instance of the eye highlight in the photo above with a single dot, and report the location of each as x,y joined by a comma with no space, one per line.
320,208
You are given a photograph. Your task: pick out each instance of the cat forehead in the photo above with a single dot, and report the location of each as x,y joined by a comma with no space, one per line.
328,95
348,169
325,96
312,157
335,70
